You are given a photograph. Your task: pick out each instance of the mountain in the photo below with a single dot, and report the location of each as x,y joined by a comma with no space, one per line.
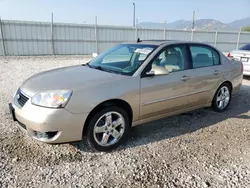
208,24
201,24
240,23
176,24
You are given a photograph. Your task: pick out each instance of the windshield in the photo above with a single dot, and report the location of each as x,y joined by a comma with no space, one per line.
246,47
123,59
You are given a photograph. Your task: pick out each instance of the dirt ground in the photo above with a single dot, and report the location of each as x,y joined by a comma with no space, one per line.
199,149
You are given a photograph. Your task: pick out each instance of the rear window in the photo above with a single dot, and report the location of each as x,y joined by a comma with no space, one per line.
246,47
204,56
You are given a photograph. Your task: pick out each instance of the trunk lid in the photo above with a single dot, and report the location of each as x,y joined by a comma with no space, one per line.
241,55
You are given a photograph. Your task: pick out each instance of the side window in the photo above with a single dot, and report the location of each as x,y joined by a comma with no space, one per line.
172,58
204,56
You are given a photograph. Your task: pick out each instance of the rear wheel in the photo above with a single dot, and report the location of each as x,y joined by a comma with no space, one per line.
222,98
108,128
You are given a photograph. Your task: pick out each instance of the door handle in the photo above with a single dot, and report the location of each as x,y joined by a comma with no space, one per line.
216,72
185,78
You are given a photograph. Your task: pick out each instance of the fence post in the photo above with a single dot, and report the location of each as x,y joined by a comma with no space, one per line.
192,35
96,36
1,27
164,33
238,40
136,33
52,34
215,38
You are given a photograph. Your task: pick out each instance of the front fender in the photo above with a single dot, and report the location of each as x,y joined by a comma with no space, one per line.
84,100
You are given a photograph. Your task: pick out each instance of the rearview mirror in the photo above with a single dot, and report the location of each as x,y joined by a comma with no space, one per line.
94,55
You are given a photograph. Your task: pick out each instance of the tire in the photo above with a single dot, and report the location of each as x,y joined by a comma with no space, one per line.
102,129
222,101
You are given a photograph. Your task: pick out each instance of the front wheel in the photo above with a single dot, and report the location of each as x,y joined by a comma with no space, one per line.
222,98
108,128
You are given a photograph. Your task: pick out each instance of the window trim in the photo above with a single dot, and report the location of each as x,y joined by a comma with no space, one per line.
147,68
212,49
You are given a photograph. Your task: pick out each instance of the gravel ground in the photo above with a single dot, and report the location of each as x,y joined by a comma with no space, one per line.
198,149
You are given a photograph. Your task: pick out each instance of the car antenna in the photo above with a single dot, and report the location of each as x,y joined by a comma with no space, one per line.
139,40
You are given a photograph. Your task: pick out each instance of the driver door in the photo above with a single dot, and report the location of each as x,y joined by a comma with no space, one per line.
164,93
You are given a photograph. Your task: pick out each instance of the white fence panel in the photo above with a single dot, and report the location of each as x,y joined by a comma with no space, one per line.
244,39
1,44
1,48
115,34
178,35
73,39
227,41
102,46
150,34
41,38
109,36
27,38
203,36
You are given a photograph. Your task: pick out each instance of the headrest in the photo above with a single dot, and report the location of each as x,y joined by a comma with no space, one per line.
201,57
172,58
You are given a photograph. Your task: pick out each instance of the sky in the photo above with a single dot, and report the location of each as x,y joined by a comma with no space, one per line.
120,12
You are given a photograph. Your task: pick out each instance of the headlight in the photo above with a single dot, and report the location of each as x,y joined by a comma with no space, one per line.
52,99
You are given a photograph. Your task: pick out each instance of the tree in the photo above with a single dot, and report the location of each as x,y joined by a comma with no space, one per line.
246,28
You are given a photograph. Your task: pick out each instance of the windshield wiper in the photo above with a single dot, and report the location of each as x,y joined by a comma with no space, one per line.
87,64
97,67
94,67
102,69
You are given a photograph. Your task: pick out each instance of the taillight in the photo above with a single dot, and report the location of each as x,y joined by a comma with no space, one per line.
242,68
229,56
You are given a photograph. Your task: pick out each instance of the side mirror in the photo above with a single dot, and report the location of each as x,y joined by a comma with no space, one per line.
94,55
157,71
150,73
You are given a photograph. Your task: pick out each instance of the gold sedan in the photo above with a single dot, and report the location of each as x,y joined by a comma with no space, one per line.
130,84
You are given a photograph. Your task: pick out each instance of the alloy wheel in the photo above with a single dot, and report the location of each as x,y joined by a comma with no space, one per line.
223,98
109,128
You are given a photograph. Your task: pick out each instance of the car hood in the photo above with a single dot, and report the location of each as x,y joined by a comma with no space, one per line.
72,78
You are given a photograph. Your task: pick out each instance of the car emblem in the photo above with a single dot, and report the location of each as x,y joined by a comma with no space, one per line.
17,96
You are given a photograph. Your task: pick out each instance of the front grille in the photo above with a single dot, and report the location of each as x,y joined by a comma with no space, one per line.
21,98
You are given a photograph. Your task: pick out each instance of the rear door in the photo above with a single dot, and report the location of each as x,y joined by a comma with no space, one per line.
205,74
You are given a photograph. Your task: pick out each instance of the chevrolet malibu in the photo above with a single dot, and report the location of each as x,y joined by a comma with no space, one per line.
130,84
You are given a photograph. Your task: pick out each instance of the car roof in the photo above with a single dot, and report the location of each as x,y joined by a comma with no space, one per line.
161,42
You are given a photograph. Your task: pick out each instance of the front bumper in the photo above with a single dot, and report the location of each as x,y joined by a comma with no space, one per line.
49,125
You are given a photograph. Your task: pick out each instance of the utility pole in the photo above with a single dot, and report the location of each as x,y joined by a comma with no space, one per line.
3,42
193,20
96,36
134,15
52,33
